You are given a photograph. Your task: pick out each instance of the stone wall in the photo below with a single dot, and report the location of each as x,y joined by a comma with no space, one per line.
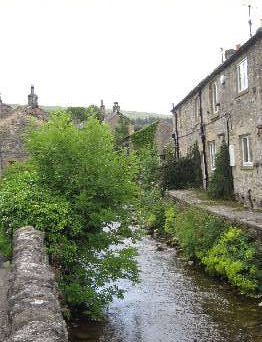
34,309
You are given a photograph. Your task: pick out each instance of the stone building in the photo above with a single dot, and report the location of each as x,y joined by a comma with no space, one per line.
227,105
13,124
114,118
33,98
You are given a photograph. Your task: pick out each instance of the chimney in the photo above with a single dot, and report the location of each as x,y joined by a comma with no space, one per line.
229,53
238,46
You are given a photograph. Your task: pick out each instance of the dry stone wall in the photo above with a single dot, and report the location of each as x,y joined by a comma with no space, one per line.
34,309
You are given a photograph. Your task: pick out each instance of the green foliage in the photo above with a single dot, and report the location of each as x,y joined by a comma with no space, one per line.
122,130
196,230
145,138
83,113
221,184
74,188
169,219
226,252
153,208
234,257
184,172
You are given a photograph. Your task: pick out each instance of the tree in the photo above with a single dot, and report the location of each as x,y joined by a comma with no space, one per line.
78,190
82,113
221,184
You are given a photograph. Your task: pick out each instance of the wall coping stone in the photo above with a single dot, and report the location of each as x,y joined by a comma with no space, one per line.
33,307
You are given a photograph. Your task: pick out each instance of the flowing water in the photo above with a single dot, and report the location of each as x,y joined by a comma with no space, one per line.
174,302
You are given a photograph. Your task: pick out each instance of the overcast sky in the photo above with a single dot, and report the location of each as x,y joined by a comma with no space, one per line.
145,54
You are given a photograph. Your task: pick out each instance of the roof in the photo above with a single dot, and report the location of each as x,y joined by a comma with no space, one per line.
222,67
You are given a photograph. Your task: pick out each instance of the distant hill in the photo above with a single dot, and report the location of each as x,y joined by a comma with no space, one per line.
140,119
144,115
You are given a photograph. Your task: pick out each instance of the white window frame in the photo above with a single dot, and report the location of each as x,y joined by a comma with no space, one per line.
214,94
242,75
212,154
248,152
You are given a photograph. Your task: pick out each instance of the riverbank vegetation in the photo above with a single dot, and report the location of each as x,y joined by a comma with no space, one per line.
79,190
225,251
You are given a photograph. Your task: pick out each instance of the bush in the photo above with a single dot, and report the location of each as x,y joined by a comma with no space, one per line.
221,184
234,257
227,252
75,186
197,231
184,172
153,208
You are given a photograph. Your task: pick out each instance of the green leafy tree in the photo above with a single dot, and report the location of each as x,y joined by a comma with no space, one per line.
75,189
221,184
82,113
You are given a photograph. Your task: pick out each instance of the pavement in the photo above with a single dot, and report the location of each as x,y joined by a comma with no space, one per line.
245,217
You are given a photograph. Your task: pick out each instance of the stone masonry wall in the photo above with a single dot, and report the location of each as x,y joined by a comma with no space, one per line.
34,309
242,110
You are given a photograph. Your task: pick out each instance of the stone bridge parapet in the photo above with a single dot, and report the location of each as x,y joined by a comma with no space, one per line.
34,309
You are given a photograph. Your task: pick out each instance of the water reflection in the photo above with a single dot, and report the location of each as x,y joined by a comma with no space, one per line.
174,303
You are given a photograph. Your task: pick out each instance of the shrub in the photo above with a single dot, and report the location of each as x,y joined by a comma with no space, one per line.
221,184
184,172
169,219
234,257
153,208
197,231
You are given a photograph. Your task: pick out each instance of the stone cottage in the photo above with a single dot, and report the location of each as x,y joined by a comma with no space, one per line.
227,105
13,124
114,118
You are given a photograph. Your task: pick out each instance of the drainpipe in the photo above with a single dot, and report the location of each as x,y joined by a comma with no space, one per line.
203,138
173,111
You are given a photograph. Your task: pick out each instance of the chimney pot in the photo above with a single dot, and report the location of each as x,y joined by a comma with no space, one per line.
229,53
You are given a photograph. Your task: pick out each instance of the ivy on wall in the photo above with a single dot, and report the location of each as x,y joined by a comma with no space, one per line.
145,138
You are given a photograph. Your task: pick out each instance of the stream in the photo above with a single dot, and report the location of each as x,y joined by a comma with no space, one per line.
174,302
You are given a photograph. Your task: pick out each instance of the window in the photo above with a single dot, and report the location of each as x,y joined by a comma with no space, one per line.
246,151
214,94
212,154
242,79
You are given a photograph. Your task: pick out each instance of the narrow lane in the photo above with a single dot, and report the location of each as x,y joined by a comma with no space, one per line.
175,302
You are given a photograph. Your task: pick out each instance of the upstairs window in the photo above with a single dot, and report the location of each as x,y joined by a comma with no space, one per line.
242,79
246,151
214,95
212,154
